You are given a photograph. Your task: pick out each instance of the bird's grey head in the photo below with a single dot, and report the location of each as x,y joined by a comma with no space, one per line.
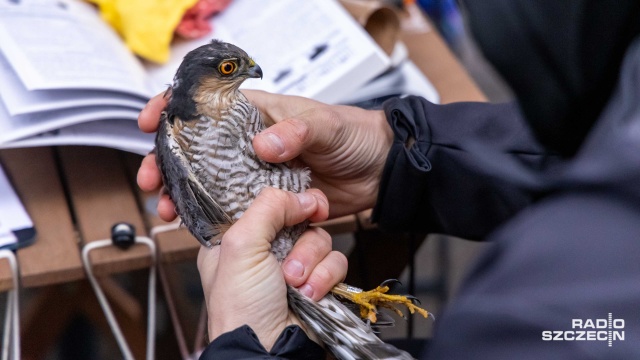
209,74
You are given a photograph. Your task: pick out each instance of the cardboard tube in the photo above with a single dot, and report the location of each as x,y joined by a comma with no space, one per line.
380,21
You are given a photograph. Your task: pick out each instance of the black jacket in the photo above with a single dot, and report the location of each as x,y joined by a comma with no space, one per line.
565,233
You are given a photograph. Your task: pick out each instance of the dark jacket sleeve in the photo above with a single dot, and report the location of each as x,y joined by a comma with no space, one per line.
573,255
459,169
242,343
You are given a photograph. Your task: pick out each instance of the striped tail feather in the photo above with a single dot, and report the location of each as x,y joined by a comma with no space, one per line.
346,335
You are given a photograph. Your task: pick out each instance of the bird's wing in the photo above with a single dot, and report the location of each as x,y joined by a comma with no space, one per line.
210,208
204,218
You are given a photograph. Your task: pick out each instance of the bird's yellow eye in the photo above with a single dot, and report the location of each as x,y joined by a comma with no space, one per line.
227,67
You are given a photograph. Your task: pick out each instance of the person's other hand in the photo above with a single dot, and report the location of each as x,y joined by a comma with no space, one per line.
344,146
241,278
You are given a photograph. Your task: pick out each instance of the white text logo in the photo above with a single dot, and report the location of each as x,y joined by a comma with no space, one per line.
608,330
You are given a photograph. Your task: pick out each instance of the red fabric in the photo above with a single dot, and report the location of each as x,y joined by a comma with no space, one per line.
195,22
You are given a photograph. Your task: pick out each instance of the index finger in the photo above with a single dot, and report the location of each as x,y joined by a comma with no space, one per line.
149,117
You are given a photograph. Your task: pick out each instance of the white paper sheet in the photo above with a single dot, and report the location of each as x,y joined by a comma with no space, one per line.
13,216
118,134
6,236
16,127
63,45
18,100
404,79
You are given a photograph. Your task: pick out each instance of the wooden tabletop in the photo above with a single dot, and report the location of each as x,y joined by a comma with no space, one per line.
75,194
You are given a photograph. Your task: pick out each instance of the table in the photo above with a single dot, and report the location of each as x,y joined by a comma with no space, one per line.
75,194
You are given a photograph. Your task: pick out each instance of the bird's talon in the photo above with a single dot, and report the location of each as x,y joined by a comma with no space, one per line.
394,309
369,301
391,281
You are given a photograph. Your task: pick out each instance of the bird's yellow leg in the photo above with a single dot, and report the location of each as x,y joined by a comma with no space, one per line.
369,301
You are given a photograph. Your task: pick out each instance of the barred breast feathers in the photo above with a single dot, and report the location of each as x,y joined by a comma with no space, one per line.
225,171
202,215
222,156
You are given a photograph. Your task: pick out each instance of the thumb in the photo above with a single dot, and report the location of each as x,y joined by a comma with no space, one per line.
316,130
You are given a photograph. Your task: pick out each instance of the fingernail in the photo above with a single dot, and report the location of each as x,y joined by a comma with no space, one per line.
306,200
293,268
276,144
306,290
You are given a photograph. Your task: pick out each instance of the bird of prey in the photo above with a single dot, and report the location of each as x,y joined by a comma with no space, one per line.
210,170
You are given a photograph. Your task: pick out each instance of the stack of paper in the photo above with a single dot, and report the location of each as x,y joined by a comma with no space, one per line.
67,78
15,223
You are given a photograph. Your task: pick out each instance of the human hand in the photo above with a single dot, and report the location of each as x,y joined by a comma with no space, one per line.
345,147
241,278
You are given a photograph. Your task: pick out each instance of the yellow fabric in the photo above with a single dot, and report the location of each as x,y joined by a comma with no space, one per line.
146,26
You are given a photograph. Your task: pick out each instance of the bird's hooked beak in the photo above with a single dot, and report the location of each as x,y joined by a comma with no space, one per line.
254,70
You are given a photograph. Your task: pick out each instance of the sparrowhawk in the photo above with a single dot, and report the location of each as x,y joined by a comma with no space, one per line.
210,170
